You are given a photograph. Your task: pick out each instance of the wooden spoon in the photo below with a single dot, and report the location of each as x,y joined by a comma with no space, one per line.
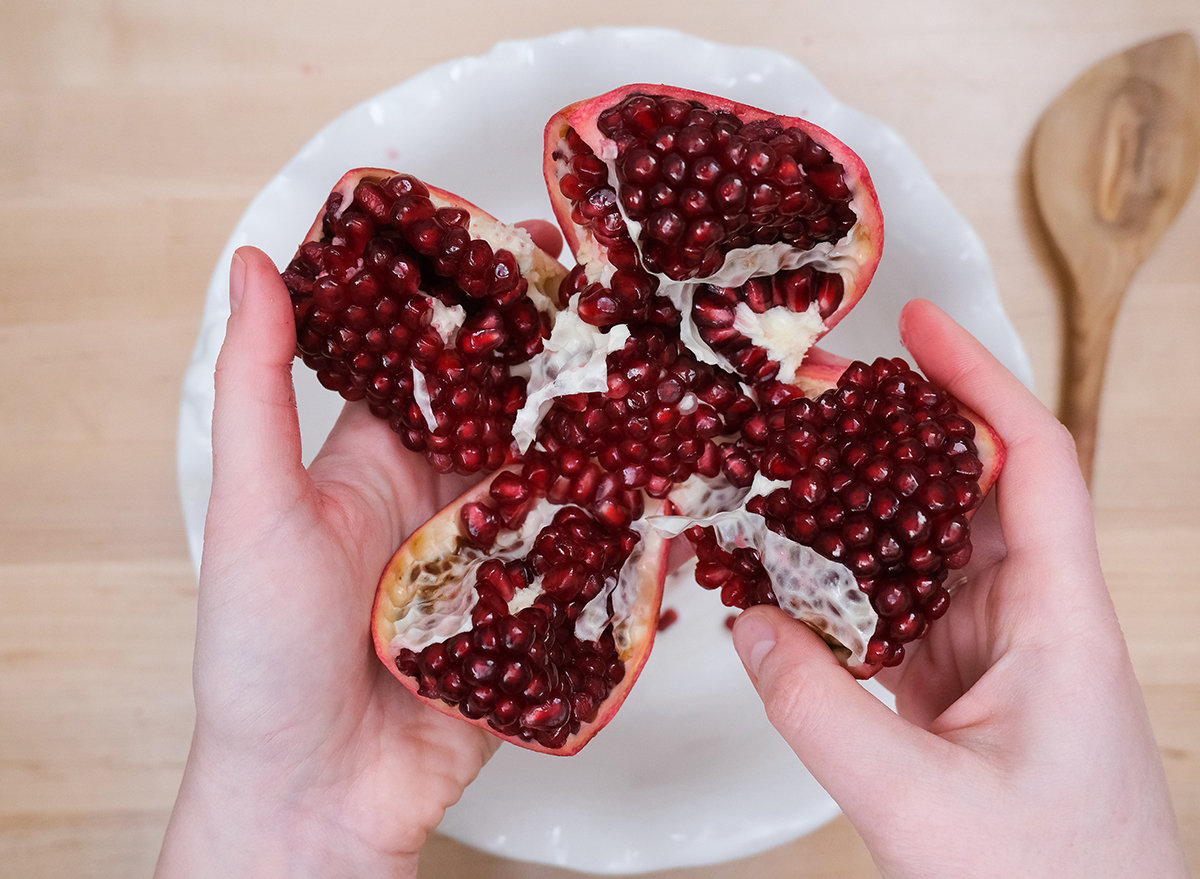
1113,160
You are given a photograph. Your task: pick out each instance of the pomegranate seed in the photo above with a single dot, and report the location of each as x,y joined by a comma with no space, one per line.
480,525
667,619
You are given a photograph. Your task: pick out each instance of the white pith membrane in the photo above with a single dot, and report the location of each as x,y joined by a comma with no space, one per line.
809,587
446,319
432,601
574,360
422,399
786,335
621,594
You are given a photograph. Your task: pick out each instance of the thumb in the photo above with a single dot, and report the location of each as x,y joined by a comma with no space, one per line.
256,431
852,743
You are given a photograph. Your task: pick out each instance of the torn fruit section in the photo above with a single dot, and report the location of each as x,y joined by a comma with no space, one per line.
728,213
534,625
876,472
427,307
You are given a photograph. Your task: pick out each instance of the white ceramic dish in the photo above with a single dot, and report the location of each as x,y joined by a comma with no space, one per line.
690,772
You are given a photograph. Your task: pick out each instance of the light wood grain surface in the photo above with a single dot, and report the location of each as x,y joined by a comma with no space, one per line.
133,135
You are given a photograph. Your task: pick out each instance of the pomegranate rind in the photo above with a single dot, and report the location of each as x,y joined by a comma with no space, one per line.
583,116
437,540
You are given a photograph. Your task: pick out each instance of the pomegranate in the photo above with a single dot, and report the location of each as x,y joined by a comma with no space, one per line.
667,384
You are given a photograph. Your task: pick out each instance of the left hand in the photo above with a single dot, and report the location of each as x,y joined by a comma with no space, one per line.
308,756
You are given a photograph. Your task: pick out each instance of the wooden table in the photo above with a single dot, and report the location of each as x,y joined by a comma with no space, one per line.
133,135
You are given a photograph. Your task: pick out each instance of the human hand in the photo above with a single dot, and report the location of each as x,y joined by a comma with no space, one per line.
1021,744
308,757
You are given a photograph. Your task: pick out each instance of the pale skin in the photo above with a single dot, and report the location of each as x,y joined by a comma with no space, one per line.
1022,742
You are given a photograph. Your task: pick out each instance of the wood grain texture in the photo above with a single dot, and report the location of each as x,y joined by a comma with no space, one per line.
1114,159
133,135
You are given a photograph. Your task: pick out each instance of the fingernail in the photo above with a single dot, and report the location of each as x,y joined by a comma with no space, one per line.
237,281
753,639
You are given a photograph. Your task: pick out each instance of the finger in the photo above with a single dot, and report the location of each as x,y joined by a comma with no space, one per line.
1044,503
545,235
256,432
850,741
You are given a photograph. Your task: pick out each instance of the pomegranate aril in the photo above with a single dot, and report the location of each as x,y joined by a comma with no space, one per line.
480,525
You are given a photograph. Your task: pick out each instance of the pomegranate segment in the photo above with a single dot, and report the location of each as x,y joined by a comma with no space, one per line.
875,470
423,304
662,190
765,327
533,626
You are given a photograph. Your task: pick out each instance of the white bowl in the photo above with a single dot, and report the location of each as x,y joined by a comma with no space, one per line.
689,772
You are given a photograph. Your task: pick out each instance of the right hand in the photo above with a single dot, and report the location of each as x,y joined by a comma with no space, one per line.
1021,745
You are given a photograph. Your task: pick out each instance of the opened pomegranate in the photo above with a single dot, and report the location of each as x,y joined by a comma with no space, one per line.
665,385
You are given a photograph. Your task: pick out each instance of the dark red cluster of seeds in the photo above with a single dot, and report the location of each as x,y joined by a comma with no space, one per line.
659,422
363,300
629,298
655,426
881,472
631,293
738,573
714,311
701,182
526,673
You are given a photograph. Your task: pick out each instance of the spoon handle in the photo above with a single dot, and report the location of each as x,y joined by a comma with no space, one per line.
1091,313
